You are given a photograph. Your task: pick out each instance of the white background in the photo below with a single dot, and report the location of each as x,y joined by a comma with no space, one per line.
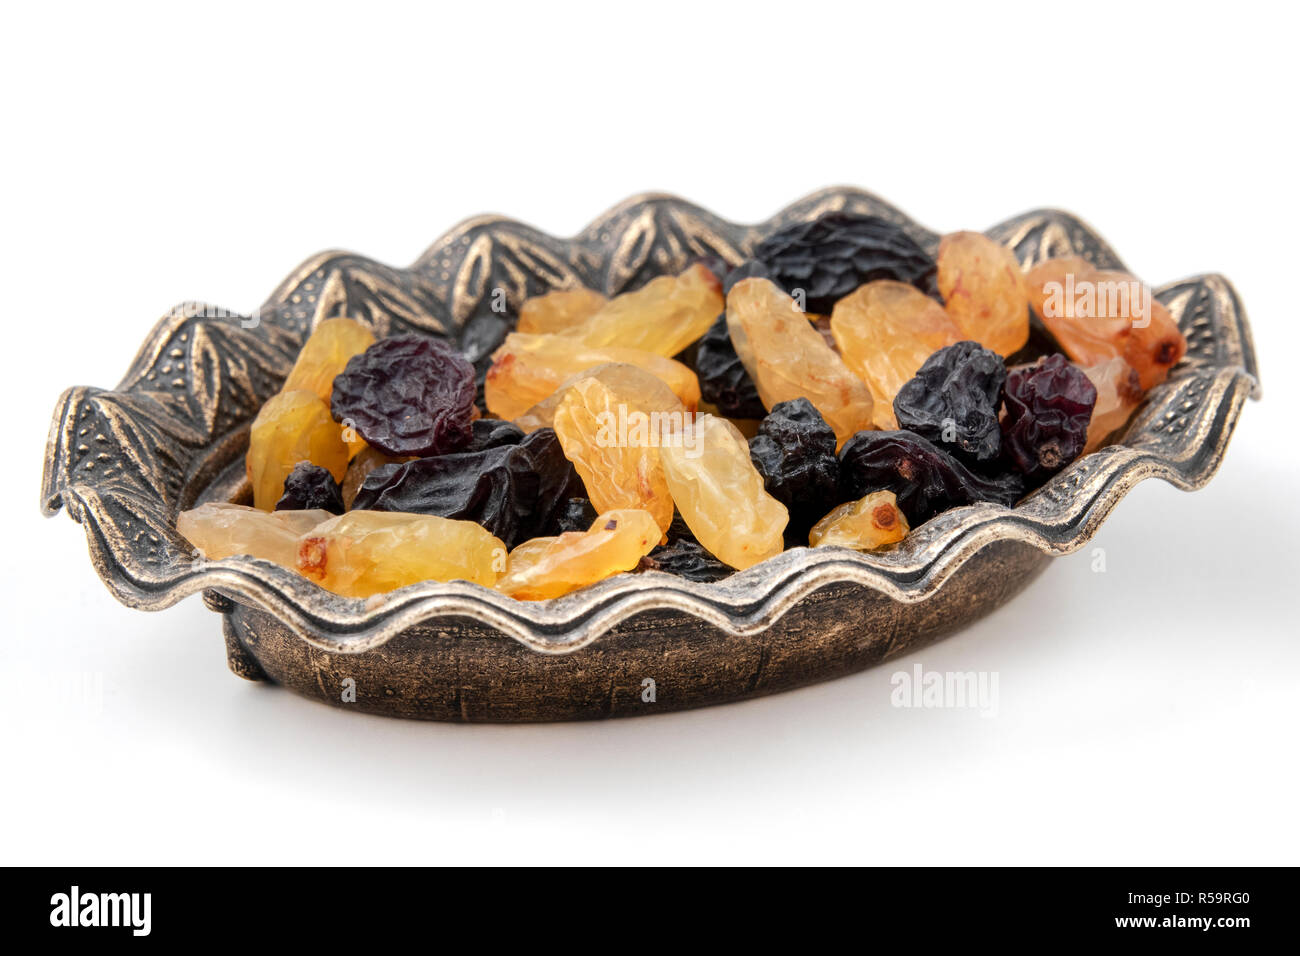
153,155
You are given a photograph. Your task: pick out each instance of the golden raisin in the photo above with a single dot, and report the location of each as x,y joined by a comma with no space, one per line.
326,354
984,291
291,427
885,330
548,567
612,438
369,552
864,525
221,530
528,368
559,310
663,316
788,358
720,493
653,394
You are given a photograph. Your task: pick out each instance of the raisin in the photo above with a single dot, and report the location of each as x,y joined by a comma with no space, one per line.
689,559
291,427
864,525
368,552
885,330
788,358
650,390
488,433
220,530
720,493
360,467
724,383
1119,390
794,451
576,514
954,399
835,253
926,479
527,369
544,568
1049,406
984,291
407,395
606,429
325,354
558,484
664,316
511,490
1099,315
559,310
310,487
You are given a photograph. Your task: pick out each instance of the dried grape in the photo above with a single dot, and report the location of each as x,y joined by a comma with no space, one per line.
310,487
664,316
370,552
1118,393
291,427
787,358
884,331
794,451
1048,408
835,253
408,395
954,399
984,291
559,310
616,541
724,382
529,368
220,530
720,493
325,354
925,478
871,522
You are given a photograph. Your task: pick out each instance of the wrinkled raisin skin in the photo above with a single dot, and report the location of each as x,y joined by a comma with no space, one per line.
925,478
953,400
794,451
723,379
1049,407
488,433
408,395
310,486
688,559
835,253
514,491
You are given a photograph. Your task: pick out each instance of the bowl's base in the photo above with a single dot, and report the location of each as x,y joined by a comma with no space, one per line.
652,663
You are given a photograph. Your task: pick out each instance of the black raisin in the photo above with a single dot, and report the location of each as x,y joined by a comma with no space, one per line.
495,487
493,432
723,379
687,558
954,400
833,254
408,395
310,486
794,451
1049,406
558,483
925,478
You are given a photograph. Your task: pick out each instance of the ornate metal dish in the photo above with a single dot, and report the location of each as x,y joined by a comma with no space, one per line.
125,461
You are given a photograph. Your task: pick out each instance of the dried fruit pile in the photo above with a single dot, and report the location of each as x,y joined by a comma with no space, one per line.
839,388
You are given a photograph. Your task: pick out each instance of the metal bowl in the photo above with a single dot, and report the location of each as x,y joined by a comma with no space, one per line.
125,461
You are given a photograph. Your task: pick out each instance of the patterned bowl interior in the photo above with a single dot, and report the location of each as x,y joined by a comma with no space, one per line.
125,461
